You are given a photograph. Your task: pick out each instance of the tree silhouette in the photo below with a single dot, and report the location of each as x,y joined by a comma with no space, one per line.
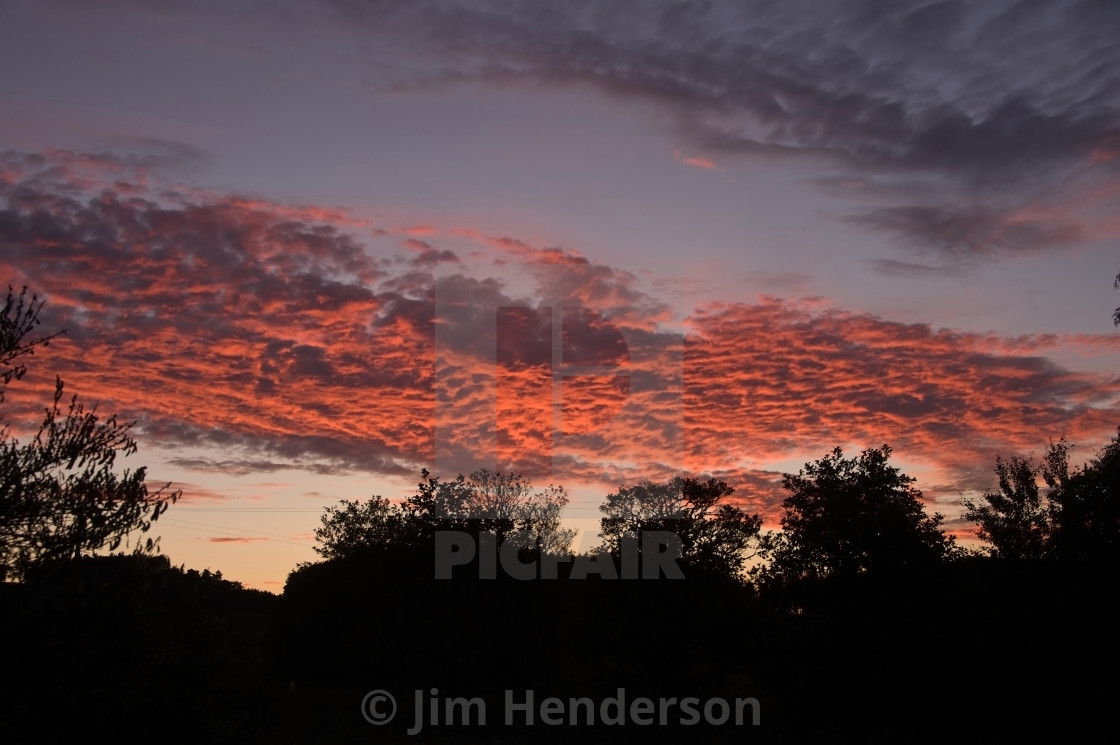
532,517
714,535
503,503
60,495
18,319
352,527
1076,519
846,516
1087,523
1014,518
1116,313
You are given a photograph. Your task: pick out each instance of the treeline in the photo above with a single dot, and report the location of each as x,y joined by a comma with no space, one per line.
842,517
860,622
106,648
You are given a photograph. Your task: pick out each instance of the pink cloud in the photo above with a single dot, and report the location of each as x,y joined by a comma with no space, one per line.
695,161
274,334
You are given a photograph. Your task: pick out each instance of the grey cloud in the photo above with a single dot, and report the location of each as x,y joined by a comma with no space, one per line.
963,233
428,255
910,270
966,100
246,466
991,97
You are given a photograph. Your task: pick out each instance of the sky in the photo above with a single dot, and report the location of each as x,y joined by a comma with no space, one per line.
314,247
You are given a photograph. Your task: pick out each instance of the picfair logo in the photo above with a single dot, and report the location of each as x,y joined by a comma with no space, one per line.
554,379
549,387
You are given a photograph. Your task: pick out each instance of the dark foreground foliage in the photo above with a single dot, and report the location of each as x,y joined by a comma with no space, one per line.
977,650
106,646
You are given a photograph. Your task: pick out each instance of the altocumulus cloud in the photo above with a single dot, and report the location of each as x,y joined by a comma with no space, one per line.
294,337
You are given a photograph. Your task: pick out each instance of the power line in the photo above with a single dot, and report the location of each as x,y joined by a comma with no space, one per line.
229,527
246,509
228,532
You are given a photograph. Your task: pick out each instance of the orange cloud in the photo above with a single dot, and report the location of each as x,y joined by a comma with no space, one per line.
275,335
190,492
767,380
696,162
419,231
591,401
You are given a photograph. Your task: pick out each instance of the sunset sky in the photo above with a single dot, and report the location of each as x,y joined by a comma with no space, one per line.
313,247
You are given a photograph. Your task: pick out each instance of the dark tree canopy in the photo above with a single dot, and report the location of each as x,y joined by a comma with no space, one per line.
351,527
1087,523
60,493
845,516
1077,517
714,535
1014,519
503,503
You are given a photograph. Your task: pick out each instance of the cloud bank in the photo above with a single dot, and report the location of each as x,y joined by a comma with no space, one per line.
295,337
975,130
